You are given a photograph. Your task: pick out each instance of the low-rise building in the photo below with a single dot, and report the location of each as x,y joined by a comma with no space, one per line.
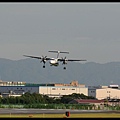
107,93
50,89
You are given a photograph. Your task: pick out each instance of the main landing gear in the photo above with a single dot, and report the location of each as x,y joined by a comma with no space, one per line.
64,68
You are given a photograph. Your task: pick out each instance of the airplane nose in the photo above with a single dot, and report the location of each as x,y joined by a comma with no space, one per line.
50,61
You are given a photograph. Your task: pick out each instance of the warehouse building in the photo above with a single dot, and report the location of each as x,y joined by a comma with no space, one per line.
110,92
50,89
104,92
59,89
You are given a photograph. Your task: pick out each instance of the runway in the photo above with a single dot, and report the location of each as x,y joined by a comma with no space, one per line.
50,111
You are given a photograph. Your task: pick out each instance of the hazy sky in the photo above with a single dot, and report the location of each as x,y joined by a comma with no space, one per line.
88,31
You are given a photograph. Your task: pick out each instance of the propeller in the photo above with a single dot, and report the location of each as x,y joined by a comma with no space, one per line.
64,60
43,59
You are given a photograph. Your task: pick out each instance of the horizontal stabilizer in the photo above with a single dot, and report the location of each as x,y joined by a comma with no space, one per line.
54,51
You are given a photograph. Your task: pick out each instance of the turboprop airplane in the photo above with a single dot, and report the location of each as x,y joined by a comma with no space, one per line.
54,61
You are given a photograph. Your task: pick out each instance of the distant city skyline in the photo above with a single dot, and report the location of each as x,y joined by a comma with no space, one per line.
88,31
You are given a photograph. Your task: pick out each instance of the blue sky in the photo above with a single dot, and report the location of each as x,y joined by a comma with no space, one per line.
88,31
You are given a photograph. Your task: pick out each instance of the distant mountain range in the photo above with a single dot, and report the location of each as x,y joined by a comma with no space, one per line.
31,71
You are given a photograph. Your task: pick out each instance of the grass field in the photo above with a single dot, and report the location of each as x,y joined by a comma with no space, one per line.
81,115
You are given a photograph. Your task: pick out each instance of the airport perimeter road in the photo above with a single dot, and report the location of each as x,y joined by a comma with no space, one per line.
50,111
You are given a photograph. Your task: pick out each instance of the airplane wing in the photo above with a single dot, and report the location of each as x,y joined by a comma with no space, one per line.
75,60
32,56
46,58
61,59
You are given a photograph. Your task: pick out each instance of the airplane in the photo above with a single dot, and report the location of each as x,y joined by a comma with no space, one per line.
54,61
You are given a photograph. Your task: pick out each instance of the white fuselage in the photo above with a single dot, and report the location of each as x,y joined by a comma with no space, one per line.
54,62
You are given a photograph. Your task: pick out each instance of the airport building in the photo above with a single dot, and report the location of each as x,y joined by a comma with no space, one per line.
59,89
110,92
50,89
104,92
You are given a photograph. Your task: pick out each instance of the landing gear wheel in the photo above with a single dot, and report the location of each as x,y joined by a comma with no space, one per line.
44,66
64,68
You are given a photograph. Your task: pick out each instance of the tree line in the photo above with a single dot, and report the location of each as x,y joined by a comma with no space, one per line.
36,98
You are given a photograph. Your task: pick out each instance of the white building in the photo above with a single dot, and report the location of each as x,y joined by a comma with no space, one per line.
107,93
50,89
57,91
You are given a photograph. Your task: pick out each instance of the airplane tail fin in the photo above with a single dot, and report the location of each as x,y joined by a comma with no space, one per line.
54,51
